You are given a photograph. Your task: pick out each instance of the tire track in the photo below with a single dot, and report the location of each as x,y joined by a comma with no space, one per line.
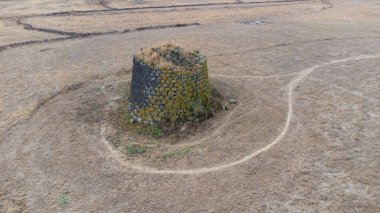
262,77
290,44
76,35
221,126
105,5
110,9
278,139
83,35
39,105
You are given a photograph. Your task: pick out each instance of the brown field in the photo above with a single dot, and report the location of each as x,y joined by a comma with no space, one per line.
303,136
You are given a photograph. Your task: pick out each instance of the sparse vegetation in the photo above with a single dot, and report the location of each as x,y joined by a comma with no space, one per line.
201,112
151,130
126,116
300,79
178,153
217,103
63,200
170,56
116,142
167,128
136,149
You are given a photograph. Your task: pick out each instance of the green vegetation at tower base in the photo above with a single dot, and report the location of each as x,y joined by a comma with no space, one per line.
168,127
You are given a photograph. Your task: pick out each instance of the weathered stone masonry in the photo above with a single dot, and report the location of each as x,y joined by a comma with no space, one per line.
163,94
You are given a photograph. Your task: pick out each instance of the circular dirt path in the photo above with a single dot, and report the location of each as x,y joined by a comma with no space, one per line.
303,136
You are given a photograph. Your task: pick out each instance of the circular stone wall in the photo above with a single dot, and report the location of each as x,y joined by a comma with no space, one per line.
163,93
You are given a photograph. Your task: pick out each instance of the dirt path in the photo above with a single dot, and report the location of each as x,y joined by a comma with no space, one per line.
303,136
303,74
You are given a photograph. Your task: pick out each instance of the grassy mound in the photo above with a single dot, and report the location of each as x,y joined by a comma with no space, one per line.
170,56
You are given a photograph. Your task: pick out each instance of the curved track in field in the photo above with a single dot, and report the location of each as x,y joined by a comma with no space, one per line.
302,75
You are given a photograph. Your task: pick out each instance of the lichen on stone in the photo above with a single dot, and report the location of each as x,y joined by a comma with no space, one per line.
169,84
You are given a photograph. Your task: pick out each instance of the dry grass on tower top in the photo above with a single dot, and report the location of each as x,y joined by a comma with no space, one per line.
171,56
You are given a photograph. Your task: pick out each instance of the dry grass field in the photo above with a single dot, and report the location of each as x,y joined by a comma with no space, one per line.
303,135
